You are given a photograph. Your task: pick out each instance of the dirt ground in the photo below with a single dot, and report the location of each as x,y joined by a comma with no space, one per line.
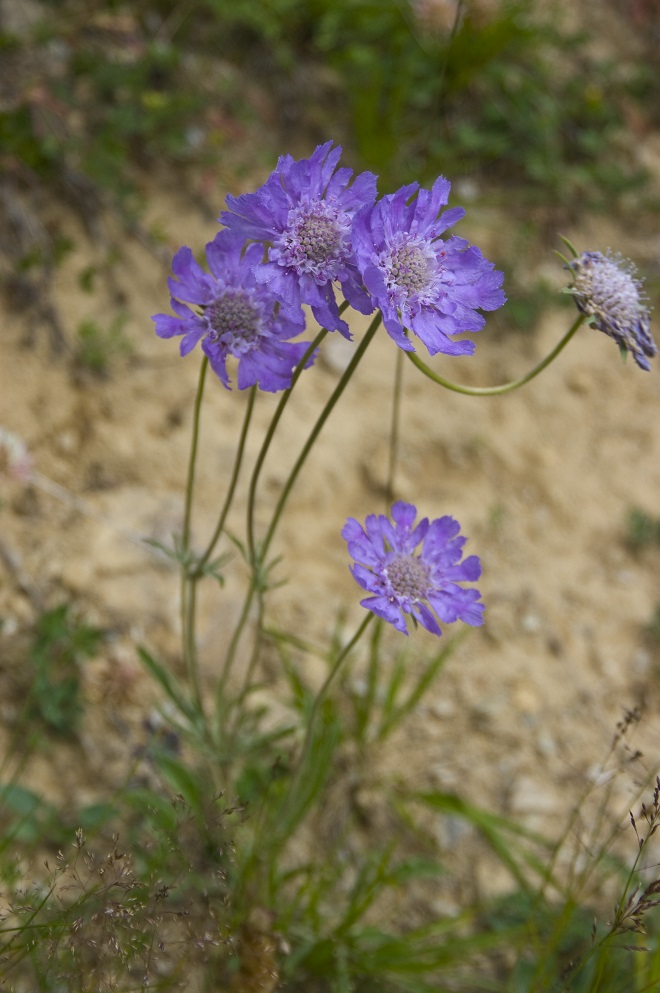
541,481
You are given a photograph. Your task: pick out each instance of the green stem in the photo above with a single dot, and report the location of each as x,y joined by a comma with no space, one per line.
199,567
284,399
188,645
257,582
322,694
220,706
189,619
316,430
394,428
193,455
251,501
487,391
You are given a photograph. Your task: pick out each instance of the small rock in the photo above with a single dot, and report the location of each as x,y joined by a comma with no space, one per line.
580,381
67,442
531,797
526,699
78,575
442,709
530,624
546,745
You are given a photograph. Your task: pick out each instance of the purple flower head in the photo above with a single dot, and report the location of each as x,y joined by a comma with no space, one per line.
239,317
420,281
402,582
605,289
305,212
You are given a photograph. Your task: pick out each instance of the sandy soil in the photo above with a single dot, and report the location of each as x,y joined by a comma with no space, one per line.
541,481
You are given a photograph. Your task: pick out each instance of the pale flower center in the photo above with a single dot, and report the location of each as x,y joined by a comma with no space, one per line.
235,321
409,576
410,267
316,240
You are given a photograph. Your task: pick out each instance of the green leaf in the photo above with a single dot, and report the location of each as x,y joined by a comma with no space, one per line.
171,687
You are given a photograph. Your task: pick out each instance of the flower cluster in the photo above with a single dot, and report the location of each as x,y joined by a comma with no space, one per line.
403,581
606,290
312,227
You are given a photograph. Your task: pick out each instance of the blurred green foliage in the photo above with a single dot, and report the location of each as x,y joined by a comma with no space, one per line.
60,644
98,347
99,100
505,93
642,529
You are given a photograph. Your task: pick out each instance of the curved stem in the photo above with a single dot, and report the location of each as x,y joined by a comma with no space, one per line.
316,430
193,454
284,399
487,391
199,567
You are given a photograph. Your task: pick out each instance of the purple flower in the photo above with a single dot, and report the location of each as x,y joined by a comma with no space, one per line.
305,211
238,317
420,281
606,290
403,582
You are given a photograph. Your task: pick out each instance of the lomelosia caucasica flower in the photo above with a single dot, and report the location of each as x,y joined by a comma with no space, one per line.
421,281
304,212
402,580
238,316
606,290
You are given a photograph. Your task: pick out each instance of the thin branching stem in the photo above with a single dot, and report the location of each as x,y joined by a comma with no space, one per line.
394,428
190,483
318,702
316,430
256,472
257,582
489,391
189,635
199,566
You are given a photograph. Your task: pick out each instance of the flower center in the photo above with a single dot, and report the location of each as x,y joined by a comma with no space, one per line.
316,240
409,267
235,320
409,577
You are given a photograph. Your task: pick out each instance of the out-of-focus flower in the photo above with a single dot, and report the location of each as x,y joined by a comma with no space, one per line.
422,283
403,581
304,212
15,460
606,290
239,317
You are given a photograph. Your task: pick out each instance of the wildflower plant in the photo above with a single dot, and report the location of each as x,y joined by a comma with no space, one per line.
311,235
